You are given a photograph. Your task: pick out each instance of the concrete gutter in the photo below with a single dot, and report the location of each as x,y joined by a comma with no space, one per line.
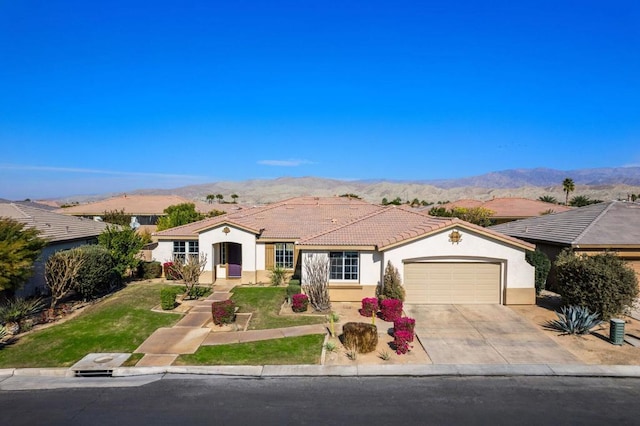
366,370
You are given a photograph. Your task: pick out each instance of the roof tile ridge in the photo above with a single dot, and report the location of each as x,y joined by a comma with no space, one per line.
206,219
351,222
593,222
20,210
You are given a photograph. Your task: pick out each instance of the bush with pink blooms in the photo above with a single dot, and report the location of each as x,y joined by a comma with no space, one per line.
299,302
391,309
369,307
405,324
224,312
401,340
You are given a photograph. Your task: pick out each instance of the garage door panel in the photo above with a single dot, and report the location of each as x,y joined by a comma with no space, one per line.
445,283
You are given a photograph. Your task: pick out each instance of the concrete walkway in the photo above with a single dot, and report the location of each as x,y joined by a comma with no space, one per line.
195,329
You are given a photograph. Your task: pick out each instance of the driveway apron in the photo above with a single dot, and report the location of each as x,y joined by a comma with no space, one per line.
483,334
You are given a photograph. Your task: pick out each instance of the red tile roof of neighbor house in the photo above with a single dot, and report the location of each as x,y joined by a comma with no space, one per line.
332,221
141,205
508,207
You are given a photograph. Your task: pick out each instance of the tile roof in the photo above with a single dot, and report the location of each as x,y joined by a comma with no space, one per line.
289,219
390,226
141,205
614,223
53,226
510,207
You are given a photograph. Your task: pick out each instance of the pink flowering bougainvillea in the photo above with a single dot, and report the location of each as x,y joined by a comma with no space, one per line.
224,312
401,340
299,302
405,324
369,307
391,309
169,273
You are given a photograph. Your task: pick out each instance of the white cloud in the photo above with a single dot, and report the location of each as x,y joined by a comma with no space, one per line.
19,167
284,163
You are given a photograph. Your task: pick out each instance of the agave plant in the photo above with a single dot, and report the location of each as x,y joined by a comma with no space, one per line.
575,320
15,310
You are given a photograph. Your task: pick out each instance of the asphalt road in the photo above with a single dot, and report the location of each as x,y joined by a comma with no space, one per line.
176,400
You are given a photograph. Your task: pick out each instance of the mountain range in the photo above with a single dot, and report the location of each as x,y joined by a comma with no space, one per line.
601,183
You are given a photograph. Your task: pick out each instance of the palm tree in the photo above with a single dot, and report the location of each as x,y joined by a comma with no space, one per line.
568,186
235,198
210,198
219,197
548,199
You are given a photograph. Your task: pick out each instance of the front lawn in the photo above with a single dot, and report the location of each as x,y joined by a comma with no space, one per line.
265,303
286,351
118,324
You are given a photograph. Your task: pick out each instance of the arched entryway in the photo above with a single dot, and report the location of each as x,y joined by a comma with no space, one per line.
228,260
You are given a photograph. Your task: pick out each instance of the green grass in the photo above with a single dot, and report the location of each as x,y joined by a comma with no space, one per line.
265,303
288,350
118,324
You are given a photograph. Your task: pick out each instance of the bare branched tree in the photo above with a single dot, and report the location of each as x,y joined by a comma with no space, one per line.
189,271
61,272
316,282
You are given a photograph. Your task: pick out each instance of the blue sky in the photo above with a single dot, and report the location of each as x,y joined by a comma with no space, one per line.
113,96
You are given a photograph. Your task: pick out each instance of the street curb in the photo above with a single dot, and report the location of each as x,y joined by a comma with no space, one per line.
367,370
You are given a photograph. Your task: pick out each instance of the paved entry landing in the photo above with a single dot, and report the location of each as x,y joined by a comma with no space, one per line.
483,334
179,340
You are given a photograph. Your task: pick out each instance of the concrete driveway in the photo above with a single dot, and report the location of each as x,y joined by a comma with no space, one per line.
483,334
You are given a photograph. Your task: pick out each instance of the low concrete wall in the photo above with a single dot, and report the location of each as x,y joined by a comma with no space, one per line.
520,296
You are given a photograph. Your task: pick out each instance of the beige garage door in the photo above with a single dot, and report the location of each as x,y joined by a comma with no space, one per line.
635,265
446,283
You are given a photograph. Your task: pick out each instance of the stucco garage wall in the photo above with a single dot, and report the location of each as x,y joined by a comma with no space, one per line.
517,274
163,252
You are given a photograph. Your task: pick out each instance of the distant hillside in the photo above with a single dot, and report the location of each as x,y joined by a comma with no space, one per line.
604,184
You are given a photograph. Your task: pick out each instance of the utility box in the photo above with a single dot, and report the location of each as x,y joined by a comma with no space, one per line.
616,331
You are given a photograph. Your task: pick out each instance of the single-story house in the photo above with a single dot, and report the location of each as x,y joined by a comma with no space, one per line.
146,209
441,260
62,233
612,226
507,209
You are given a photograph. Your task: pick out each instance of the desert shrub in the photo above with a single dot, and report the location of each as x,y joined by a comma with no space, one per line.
278,276
360,337
168,297
602,283
390,309
405,324
15,311
149,270
542,265
97,274
293,289
575,320
369,307
299,302
401,340
196,292
224,312
391,287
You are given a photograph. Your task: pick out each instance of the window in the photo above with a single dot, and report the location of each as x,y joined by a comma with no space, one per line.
179,250
182,248
343,265
284,255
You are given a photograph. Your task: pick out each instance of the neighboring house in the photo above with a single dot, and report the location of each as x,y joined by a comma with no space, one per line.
62,232
612,226
441,260
145,208
509,209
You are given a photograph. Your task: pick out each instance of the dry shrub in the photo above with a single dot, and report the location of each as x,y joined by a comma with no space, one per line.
360,336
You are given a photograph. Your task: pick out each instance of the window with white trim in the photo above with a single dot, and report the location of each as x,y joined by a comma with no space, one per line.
182,248
343,265
284,255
